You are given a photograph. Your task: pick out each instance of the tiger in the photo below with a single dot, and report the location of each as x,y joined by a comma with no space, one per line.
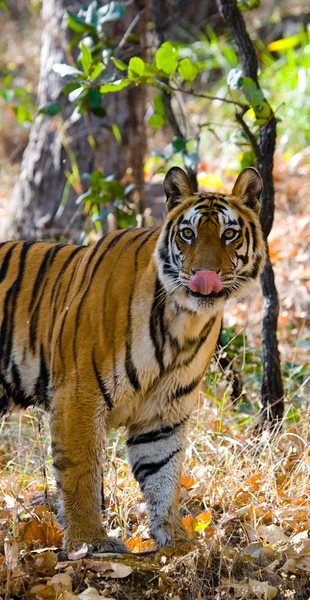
121,333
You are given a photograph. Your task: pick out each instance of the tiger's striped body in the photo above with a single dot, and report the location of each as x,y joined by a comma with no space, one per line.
111,335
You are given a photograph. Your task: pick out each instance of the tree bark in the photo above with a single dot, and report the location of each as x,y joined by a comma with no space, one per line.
41,186
272,392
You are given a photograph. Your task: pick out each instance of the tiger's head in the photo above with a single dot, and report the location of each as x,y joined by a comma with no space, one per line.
211,246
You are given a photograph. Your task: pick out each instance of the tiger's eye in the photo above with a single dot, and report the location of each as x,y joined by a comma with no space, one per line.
230,234
187,234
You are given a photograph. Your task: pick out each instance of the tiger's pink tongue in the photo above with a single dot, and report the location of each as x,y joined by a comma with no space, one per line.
205,282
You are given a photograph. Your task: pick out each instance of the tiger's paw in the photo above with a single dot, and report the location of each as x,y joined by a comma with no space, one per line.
106,546
169,533
109,545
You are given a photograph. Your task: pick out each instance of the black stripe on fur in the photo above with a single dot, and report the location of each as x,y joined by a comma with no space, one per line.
141,472
155,435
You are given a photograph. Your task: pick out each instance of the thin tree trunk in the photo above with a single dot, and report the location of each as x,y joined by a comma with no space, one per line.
272,392
43,181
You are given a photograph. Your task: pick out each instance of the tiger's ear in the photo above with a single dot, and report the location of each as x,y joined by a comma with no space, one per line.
248,188
177,187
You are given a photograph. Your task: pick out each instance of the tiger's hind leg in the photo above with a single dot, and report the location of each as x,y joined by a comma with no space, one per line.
156,459
77,429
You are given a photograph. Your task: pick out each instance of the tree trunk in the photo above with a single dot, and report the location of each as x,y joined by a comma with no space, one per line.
272,392
53,142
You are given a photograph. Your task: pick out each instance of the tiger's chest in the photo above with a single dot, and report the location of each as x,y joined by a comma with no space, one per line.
160,377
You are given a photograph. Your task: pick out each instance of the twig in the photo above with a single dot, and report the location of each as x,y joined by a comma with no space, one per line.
209,97
250,135
129,30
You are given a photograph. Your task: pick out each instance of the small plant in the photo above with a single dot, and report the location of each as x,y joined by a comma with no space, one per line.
19,99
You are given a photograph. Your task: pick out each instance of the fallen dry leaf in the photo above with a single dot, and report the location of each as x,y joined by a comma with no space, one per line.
303,564
246,589
188,523
262,589
202,520
138,544
41,590
272,534
61,582
67,596
107,569
187,482
92,594
45,563
255,552
118,571
45,533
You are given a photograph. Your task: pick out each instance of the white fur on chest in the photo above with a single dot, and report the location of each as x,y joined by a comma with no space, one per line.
160,397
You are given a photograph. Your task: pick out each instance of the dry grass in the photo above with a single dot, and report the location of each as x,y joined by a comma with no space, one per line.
247,481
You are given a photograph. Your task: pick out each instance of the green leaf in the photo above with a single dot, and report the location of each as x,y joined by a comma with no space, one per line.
152,71
70,87
96,70
3,5
262,110
157,121
125,218
78,25
115,188
230,56
253,94
96,177
115,86
159,105
244,5
247,159
119,64
257,100
188,69
86,59
94,98
178,144
7,80
166,58
99,111
51,109
117,133
63,70
135,68
23,115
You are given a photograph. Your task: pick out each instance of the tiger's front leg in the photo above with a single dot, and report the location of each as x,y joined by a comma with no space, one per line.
156,459
77,430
